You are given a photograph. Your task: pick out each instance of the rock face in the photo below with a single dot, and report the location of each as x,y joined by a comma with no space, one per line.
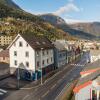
76,30
53,19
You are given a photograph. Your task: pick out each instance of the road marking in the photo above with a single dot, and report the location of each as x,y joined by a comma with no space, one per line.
26,97
62,91
64,76
30,87
4,91
77,65
52,77
1,93
45,94
53,86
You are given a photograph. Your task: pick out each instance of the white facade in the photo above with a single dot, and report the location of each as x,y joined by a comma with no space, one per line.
86,93
83,94
22,53
94,58
94,55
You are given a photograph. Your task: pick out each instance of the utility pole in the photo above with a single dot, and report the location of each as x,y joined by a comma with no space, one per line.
18,78
41,67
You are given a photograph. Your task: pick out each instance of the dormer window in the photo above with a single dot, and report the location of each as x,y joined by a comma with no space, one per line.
38,43
43,42
20,44
37,53
27,45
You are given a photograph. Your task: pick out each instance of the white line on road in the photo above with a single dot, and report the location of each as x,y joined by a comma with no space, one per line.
4,91
30,87
62,91
25,98
1,93
53,86
45,94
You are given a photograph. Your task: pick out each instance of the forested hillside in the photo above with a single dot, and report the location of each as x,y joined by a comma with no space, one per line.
14,20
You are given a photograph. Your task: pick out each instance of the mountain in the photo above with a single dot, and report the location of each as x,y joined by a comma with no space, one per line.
92,28
10,3
60,23
14,20
56,20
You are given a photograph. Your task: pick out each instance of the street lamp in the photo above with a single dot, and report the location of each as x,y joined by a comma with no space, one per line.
41,67
18,78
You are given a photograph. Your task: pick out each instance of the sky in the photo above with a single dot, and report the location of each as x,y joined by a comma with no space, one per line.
71,10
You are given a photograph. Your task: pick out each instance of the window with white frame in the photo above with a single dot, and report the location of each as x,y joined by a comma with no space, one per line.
15,53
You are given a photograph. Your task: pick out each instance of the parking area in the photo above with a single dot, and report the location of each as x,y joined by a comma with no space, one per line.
11,83
8,83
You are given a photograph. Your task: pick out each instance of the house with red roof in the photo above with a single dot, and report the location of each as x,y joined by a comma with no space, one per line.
88,86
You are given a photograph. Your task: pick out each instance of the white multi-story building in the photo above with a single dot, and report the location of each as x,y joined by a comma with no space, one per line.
29,52
94,55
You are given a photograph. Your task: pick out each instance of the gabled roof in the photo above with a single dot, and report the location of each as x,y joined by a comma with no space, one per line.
36,42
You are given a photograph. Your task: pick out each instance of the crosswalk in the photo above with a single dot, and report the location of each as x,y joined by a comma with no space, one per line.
2,92
77,65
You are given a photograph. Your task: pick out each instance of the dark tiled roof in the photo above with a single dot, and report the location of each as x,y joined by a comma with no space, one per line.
4,53
37,42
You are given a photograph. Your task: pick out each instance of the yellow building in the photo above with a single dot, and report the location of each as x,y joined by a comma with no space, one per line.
5,40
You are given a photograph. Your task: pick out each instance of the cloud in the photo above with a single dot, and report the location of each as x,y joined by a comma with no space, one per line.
72,21
67,8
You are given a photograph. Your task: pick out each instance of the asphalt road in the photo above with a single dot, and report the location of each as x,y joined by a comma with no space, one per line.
51,89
